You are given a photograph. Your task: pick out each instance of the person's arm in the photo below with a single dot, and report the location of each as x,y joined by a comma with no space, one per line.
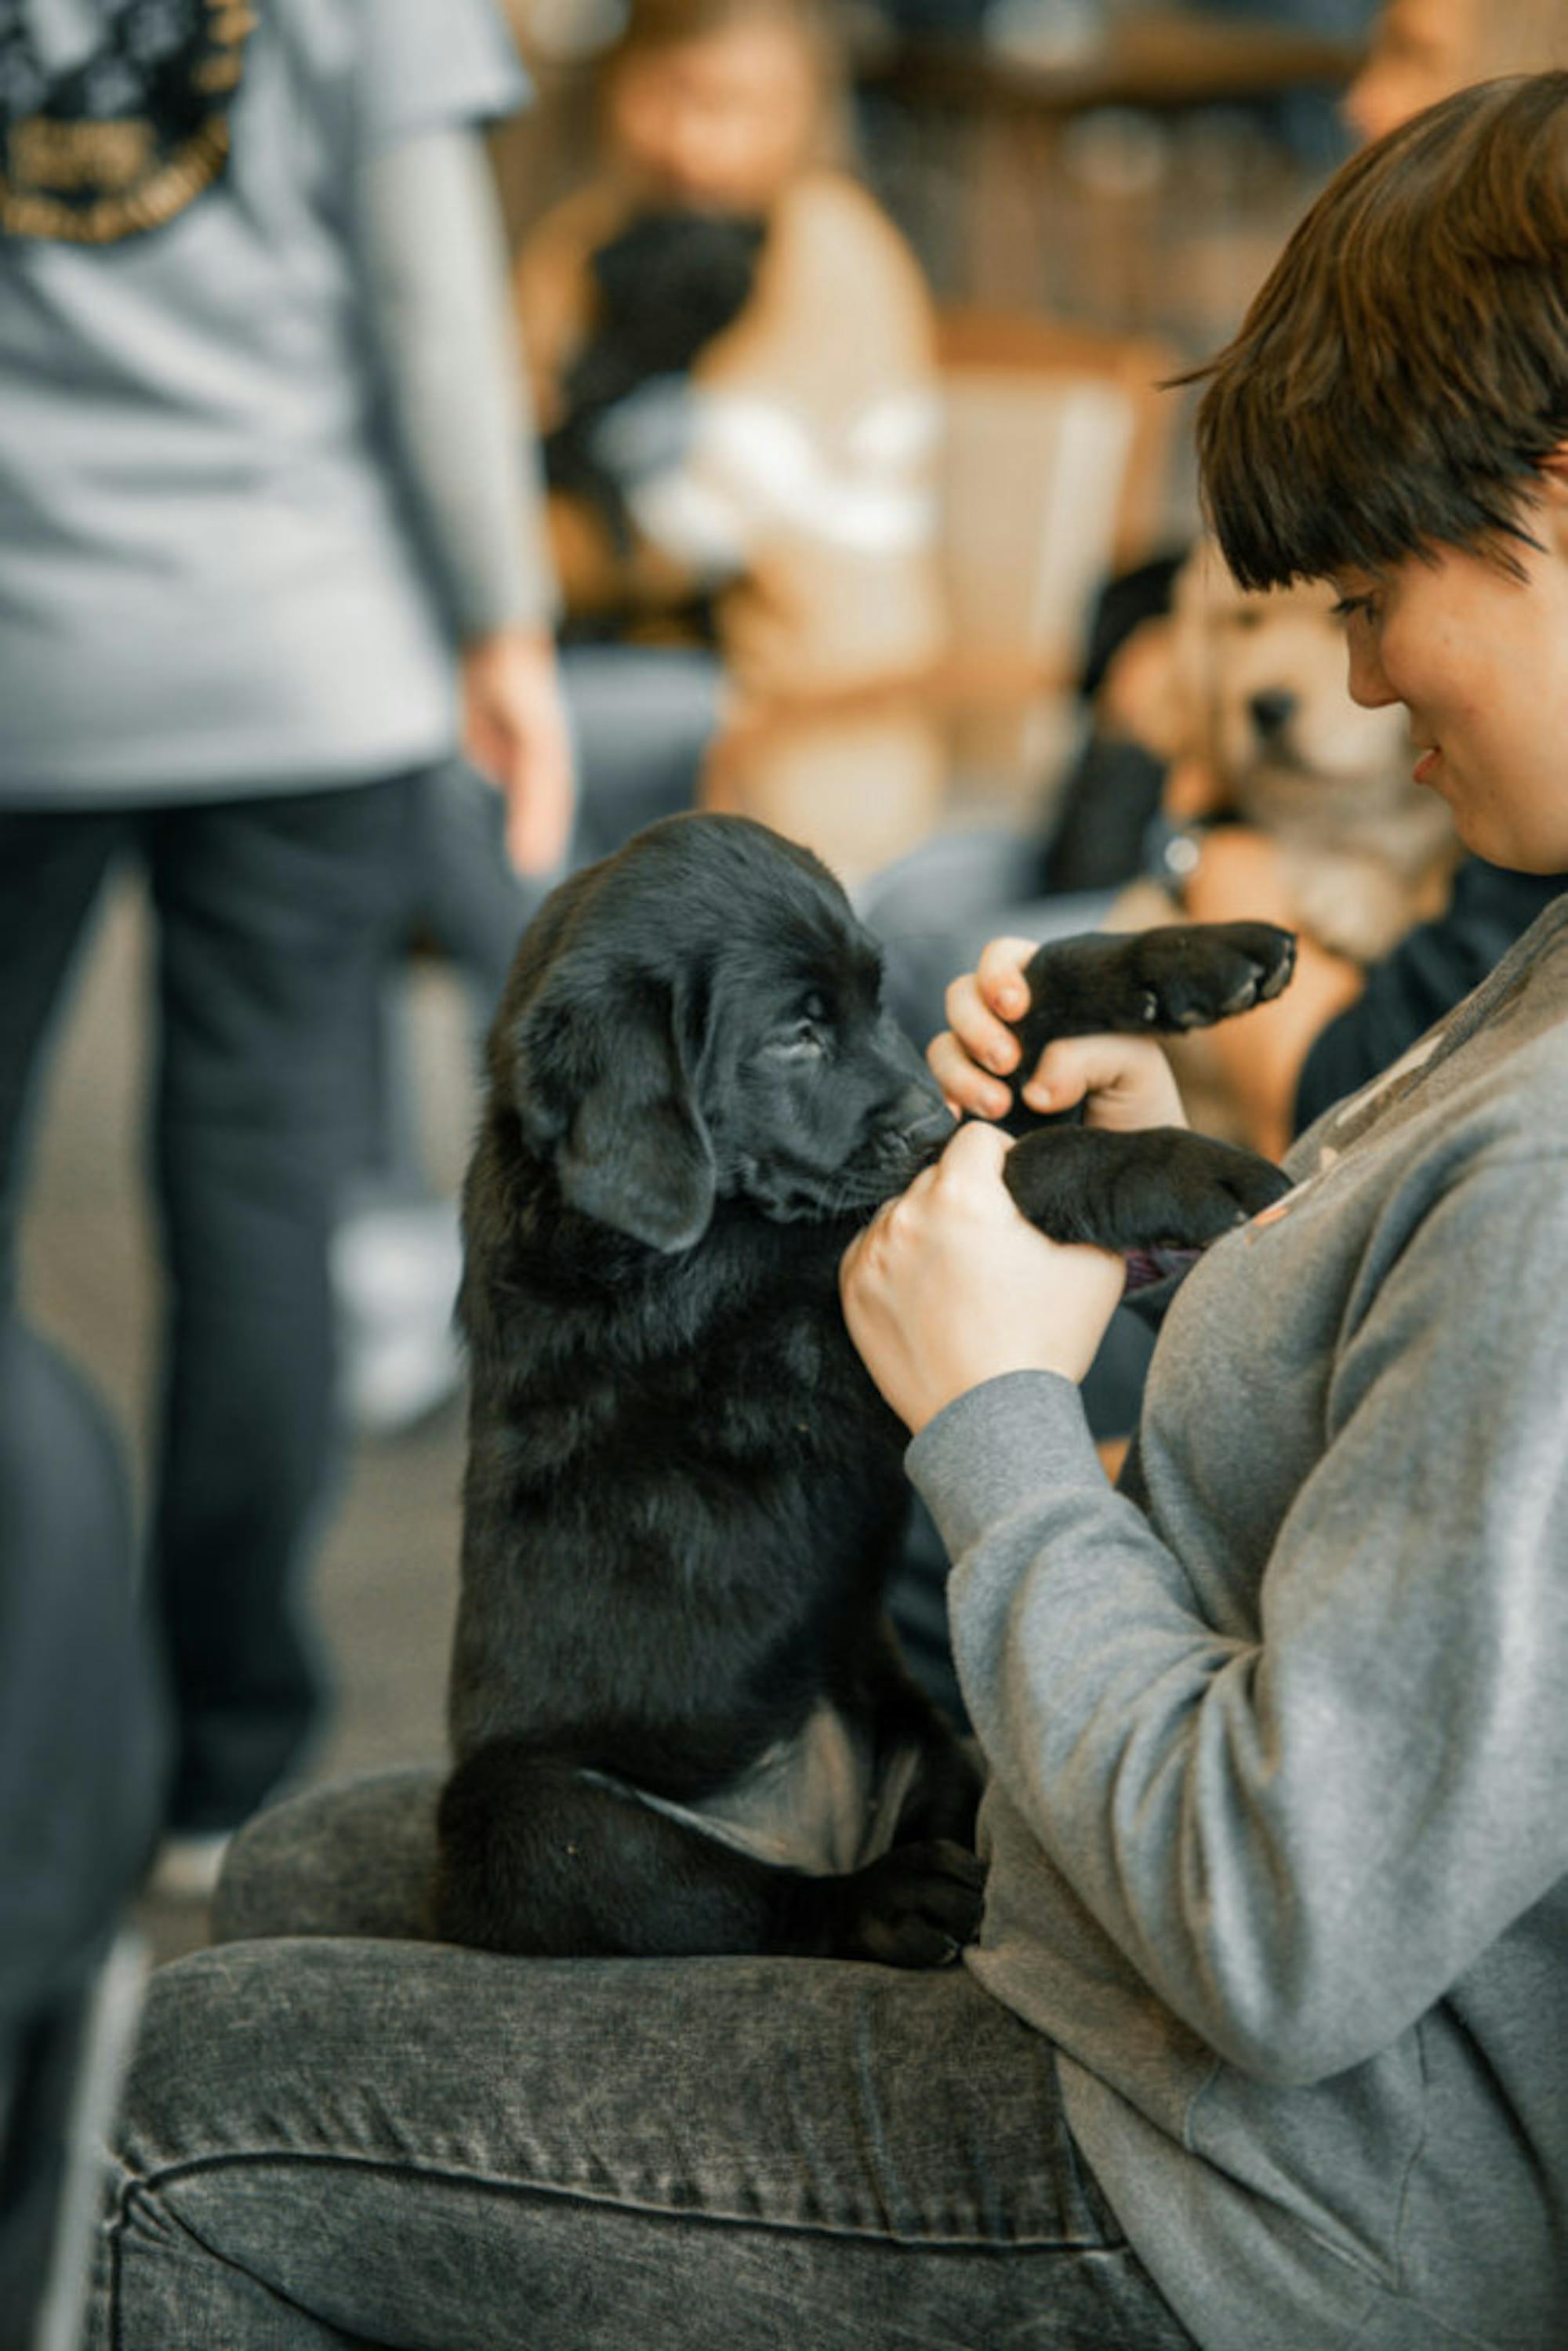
1300,1839
429,233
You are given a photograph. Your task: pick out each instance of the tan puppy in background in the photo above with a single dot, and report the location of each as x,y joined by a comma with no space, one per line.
1244,696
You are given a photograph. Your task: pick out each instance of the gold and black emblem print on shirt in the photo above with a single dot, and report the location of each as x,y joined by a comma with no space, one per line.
125,139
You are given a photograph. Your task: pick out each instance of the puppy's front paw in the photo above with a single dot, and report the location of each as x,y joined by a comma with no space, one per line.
1193,974
1160,1189
1181,975
915,1908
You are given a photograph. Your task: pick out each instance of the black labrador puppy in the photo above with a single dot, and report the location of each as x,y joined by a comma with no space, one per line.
678,1720
666,284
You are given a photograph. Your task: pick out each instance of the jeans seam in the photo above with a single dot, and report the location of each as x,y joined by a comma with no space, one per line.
152,2182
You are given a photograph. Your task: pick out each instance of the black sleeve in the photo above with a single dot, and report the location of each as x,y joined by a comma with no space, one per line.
1425,977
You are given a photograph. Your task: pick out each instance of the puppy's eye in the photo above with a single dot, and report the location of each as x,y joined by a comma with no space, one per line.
799,1044
806,1034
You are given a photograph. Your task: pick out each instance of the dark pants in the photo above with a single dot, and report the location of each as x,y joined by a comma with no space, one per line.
270,914
355,2142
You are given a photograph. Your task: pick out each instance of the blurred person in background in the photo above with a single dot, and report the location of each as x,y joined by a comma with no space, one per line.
1422,50
733,365
261,564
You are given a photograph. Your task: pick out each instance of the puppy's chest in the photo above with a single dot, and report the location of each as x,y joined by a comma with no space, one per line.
785,1378
746,1376
780,1341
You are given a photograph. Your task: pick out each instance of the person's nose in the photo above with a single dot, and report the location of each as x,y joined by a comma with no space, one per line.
1367,682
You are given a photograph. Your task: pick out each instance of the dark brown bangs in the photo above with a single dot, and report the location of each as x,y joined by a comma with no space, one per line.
1403,371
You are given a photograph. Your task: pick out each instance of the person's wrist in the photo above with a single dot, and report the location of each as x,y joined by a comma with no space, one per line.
528,639
1065,1351
942,1396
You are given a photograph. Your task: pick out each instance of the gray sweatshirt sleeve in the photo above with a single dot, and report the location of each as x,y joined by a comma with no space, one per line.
1302,1830
430,233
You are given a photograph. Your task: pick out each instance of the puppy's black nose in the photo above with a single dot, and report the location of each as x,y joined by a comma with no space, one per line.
1271,712
921,1119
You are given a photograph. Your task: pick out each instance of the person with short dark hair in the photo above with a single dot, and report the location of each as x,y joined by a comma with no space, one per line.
1264,2041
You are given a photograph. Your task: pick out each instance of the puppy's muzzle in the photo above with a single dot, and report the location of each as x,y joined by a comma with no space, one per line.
921,1131
921,1124
1271,714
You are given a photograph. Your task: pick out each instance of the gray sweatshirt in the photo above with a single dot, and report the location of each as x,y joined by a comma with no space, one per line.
259,469
1278,1819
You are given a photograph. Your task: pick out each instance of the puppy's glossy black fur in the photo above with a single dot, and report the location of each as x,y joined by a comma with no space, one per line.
678,1721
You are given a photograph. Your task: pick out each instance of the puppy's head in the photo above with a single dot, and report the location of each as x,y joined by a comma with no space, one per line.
697,1018
1260,693
673,278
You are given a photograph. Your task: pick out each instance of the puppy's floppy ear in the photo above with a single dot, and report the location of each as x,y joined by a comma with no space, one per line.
601,1088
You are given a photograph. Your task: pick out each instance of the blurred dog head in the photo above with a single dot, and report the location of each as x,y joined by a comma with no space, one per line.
1256,692
1245,696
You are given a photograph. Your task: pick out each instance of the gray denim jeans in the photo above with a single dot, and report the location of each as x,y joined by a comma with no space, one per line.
336,2139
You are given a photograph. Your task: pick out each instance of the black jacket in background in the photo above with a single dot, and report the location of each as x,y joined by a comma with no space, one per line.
1425,975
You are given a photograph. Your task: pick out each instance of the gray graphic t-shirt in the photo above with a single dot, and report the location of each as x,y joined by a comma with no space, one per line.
208,581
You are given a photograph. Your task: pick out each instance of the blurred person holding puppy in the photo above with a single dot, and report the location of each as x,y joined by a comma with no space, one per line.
733,364
262,564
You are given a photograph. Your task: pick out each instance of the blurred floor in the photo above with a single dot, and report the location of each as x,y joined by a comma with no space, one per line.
386,1577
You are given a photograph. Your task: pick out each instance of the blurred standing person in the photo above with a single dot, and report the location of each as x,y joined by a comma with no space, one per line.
1422,50
733,362
261,518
